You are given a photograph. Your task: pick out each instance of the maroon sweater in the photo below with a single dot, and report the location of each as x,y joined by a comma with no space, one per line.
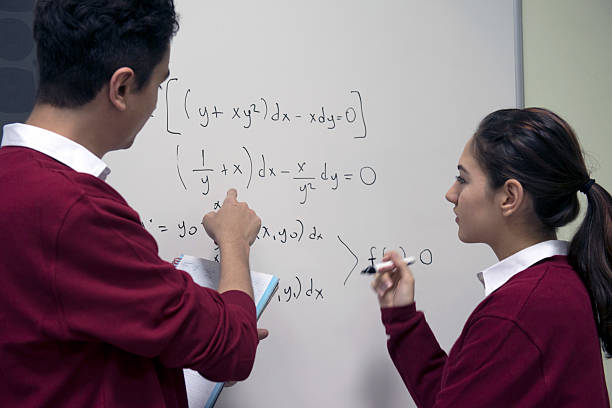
90,316
531,343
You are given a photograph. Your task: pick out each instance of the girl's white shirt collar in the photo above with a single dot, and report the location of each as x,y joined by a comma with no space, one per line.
495,276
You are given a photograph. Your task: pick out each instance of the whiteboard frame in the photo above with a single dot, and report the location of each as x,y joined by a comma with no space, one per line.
518,54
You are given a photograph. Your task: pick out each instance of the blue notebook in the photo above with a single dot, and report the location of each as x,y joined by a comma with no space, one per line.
200,391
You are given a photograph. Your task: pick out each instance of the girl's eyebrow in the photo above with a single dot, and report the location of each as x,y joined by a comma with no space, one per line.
463,169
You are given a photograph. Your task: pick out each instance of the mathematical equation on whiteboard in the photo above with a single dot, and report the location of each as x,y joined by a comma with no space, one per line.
305,288
306,177
297,232
376,253
293,233
261,110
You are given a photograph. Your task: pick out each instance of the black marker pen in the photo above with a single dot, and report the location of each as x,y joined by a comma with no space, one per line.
373,269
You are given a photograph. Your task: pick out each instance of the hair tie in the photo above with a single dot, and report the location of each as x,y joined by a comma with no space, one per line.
587,186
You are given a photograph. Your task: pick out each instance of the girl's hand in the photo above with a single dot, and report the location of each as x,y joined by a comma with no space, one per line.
394,285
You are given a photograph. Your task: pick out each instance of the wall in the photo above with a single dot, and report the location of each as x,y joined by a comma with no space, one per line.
17,61
567,65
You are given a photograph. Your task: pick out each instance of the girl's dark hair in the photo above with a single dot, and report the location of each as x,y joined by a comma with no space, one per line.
80,43
540,150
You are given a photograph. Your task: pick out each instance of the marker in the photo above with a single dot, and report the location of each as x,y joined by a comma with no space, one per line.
373,269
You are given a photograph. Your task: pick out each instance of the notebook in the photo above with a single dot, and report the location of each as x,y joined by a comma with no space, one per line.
202,392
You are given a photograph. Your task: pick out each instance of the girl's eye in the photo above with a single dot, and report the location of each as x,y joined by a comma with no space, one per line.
460,179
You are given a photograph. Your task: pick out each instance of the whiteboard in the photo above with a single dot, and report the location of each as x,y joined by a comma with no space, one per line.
341,124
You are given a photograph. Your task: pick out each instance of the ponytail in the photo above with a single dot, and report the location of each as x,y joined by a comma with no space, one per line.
590,254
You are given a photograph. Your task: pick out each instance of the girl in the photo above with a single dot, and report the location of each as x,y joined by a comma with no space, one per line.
534,339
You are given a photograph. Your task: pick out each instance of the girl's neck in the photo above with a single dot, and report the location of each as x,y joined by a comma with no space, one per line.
513,243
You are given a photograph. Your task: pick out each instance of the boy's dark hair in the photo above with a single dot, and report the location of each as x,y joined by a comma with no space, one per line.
80,43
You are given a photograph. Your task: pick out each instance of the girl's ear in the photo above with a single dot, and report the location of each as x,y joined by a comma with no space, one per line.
512,197
120,85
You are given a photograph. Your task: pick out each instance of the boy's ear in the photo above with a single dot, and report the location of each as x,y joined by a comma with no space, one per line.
512,197
120,86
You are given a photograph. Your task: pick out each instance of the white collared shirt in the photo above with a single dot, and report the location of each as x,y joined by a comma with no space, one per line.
56,146
495,276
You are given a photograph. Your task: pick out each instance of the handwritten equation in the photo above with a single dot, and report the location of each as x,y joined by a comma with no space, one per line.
376,254
296,233
304,288
306,177
262,110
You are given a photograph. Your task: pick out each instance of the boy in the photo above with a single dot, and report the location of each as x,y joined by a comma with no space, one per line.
91,316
